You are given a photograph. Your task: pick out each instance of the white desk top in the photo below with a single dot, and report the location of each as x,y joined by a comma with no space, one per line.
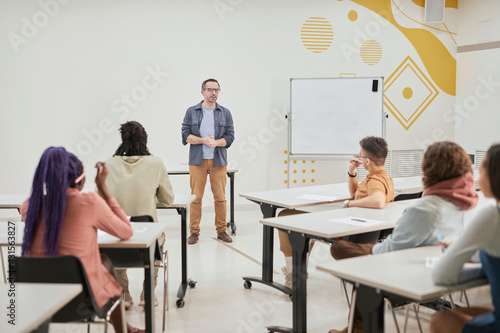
319,194
35,303
180,201
400,272
327,224
12,200
408,184
301,196
183,169
144,235
16,200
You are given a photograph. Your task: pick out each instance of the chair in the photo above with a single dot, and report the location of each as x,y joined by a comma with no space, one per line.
392,304
399,197
67,269
136,260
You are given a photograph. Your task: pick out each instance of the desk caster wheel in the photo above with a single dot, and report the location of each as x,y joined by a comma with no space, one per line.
247,284
192,284
180,303
233,232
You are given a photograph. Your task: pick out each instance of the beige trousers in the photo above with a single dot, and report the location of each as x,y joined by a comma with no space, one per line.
198,180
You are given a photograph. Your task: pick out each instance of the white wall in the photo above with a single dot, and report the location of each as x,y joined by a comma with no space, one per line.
473,16
68,67
478,76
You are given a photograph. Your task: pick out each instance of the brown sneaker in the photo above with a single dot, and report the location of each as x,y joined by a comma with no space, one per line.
223,236
193,239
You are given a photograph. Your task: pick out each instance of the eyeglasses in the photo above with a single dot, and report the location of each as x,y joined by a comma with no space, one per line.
359,156
211,90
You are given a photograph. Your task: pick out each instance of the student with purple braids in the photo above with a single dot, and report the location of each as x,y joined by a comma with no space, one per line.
60,220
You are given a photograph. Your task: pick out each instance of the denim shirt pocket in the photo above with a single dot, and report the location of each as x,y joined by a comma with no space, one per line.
222,128
195,124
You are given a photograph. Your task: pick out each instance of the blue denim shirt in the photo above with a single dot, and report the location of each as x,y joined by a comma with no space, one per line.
223,129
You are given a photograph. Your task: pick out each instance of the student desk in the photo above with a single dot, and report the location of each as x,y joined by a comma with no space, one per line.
35,303
408,185
12,201
270,201
181,204
323,225
142,245
231,170
400,274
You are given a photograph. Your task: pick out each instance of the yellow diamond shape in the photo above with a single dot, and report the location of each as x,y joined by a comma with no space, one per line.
408,88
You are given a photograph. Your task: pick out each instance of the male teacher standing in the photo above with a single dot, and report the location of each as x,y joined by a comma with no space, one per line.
208,128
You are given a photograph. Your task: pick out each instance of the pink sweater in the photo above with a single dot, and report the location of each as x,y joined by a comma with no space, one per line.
85,213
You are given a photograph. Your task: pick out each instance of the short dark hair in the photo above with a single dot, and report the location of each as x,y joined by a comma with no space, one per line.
492,165
134,140
442,161
376,149
208,80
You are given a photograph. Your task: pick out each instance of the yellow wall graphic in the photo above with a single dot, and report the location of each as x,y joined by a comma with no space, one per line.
436,58
408,92
299,170
371,52
317,34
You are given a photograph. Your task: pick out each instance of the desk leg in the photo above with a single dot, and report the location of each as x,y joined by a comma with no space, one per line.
267,254
231,203
185,282
371,303
300,244
149,307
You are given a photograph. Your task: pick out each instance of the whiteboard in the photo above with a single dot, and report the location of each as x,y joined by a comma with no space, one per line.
329,116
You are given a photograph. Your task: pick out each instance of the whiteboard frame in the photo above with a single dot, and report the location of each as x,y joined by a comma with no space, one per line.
332,156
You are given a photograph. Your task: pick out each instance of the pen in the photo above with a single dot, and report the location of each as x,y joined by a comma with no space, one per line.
355,219
440,239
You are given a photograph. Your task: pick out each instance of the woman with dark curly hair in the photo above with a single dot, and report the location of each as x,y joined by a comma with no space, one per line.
449,191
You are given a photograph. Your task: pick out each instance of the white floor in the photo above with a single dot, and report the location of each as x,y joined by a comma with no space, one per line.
219,302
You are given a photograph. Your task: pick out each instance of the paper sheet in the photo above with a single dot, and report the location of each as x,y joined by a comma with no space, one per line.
315,197
358,221
104,236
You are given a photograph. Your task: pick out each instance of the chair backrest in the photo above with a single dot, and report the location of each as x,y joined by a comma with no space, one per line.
491,267
142,218
61,269
408,196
